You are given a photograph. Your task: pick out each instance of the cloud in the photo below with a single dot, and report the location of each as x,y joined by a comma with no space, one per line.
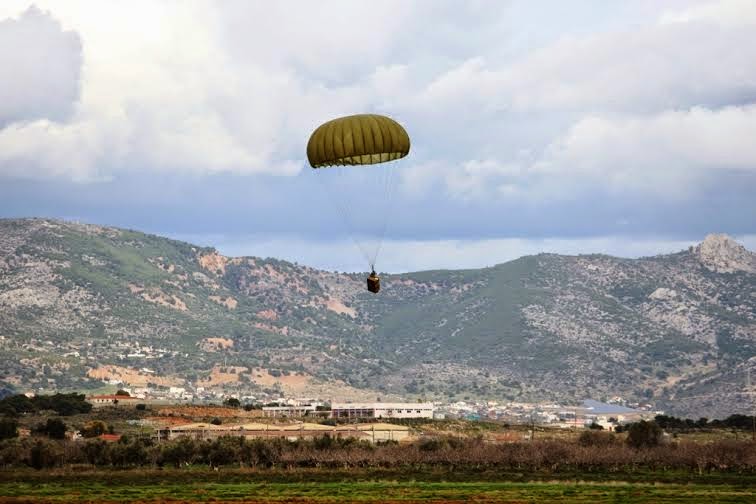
41,65
694,61
526,118
726,13
658,110
669,154
204,88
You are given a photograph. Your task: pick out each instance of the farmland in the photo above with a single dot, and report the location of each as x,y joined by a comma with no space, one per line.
245,486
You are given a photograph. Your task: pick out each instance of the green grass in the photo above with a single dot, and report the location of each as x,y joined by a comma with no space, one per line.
377,491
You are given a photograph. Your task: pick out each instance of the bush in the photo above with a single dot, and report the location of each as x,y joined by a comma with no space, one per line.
232,402
179,453
644,434
8,428
93,429
45,454
55,428
596,438
216,421
62,404
96,452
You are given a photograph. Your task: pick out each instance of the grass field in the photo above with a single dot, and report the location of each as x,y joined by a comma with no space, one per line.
376,491
244,486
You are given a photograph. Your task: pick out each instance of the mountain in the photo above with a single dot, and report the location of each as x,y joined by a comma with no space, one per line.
82,303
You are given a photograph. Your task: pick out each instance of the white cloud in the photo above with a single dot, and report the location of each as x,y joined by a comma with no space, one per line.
658,109
670,154
647,68
205,87
40,64
724,12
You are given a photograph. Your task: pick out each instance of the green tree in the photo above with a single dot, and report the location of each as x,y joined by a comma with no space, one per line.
8,428
232,402
54,428
93,429
45,454
184,451
96,452
121,392
644,434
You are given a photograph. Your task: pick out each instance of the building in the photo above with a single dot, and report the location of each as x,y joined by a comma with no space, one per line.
287,411
609,415
112,400
382,410
373,433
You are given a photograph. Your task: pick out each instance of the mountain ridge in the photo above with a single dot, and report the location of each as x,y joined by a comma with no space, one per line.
546,326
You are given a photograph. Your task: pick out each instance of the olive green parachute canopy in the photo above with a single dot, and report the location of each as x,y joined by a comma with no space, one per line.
357,140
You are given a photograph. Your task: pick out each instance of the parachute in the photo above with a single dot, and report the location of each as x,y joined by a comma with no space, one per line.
340,151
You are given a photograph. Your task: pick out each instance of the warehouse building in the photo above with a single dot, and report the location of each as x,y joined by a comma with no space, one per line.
382,410
301,430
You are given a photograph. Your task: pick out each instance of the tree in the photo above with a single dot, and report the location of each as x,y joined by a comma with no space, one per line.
93,429
96,452
216,421
55,428
644,434
232,402
121,392
45,454
8,428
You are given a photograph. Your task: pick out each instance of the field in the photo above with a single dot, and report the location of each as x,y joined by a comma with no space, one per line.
442,461
241,486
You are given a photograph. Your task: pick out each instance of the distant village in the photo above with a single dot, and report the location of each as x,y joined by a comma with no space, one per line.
271,402
589,413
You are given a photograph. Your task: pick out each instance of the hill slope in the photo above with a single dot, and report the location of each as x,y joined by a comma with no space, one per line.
81,303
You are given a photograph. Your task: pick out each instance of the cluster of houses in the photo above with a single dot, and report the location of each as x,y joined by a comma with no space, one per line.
607,415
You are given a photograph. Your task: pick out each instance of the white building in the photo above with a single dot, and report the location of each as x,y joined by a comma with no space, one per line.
382,410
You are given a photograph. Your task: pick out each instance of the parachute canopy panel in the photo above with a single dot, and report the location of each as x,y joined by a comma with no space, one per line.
357,140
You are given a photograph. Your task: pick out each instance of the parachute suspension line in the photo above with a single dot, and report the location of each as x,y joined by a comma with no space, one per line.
343,143
343,209
389,183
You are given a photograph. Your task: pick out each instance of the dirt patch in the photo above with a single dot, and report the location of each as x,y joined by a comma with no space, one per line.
179,415
214,262
228,302
219,375
267,314
158,297
306,385
215,344
335,305
267,327
263,377
132,376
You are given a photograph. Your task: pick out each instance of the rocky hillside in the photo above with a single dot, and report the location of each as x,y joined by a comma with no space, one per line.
80,304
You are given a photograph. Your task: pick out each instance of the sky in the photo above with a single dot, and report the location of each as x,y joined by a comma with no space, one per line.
603,126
